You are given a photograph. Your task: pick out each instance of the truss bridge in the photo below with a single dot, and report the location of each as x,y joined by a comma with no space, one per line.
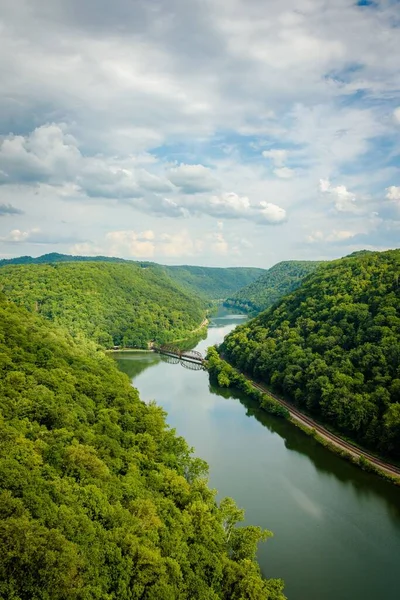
191,359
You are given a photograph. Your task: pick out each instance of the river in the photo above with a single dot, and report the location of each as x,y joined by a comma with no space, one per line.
336,528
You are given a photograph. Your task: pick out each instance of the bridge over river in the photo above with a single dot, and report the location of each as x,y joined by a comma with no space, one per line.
191,359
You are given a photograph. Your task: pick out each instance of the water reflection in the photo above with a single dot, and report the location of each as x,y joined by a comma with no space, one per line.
324,461
134,363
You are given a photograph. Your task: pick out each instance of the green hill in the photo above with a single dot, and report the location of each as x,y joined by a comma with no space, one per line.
111,303
208,282
272,285
333,347
55,257
212,282
99,499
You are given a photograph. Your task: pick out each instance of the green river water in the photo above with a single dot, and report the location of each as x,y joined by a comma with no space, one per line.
336,528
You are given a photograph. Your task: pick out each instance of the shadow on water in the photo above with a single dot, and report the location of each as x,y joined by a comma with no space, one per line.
135,363
326,462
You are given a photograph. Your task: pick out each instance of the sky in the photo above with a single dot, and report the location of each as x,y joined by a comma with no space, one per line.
214,132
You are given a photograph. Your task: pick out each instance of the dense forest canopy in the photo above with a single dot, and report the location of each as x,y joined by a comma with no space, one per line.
211,283
53,257
99,499
279,280
111,303
333,347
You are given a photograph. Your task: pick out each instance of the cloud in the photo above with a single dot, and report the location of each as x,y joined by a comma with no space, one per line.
333,236
233,206
50,156
271,213
284,173
126,113
8,209
15,236
131,243
37,236
192,179
344,201
86,249
278,157
393,193
47,154
148,244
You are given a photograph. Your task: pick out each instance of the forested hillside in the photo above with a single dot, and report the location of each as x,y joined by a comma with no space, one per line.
211,282
333,347
279,280
55,257
99,499
208,282
111,303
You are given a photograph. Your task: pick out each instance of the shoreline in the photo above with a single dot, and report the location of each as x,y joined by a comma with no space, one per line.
333,442
203,324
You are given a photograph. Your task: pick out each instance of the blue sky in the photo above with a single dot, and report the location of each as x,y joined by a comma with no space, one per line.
218,132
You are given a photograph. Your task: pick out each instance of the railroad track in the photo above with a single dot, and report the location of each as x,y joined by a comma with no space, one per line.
392,469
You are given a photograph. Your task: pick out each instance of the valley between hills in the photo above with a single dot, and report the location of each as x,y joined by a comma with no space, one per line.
100,497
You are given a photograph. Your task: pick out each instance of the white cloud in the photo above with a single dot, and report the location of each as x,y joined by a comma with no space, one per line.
218,244
229,205
333,236
284,173
16,235
278,157
232,206
181,243
86,249
344,201
272,213
47,154
393,192
148,244
106,98
131,243
338,236
51,156
315,236
35,235
324,185
192,179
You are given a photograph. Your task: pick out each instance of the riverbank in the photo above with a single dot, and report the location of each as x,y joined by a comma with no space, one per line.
222,372
202,328
333,442
316,503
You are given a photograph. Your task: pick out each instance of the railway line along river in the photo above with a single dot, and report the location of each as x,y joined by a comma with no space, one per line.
336,528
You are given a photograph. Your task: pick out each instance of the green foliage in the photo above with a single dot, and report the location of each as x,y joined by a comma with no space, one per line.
272,285
208,282
111,303
213,283
224,375
99,499
333,347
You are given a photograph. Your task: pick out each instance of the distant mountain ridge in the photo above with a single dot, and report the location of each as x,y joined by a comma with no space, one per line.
271,286
211,283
